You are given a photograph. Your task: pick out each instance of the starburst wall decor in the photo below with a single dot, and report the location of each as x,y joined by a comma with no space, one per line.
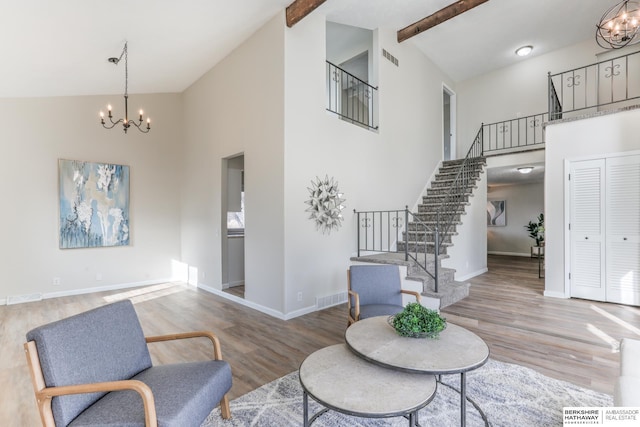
325,204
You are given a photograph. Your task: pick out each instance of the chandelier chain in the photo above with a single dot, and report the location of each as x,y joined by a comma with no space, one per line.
126,69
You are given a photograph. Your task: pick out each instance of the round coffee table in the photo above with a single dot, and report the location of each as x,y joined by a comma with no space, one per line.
457,350
339,380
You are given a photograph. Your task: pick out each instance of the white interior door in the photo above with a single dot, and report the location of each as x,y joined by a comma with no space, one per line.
623,229
587,224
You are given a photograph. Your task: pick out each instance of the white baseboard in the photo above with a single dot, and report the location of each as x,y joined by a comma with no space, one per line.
555,294
115,287
470,275
508,253
232,284
266,310
300,312
19,299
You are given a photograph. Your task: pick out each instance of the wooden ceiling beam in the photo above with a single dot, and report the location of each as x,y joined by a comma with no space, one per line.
297,10
439,17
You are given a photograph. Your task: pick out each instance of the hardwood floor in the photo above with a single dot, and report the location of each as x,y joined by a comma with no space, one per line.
569,339
573,340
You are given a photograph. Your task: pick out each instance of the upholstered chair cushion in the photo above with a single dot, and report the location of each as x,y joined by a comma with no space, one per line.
79,349
184,395
376,284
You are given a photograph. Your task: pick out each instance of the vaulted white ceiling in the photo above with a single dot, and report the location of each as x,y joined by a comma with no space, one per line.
60,48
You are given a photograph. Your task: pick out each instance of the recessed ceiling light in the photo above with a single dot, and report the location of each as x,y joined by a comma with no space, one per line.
526,169
524,50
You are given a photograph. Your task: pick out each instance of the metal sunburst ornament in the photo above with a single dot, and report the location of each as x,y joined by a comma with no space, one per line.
325,204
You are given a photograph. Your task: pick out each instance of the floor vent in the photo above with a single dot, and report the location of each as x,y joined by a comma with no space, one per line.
331,300
18,299
390,57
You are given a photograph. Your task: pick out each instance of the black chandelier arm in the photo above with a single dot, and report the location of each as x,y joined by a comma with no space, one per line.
139,126
113,124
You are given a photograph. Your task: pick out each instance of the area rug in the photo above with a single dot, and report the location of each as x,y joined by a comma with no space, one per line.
509,395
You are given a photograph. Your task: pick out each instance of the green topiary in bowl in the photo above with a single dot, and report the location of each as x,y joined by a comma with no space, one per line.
417,321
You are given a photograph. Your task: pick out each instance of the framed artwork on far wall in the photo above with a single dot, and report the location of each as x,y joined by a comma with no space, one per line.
496,213
94,204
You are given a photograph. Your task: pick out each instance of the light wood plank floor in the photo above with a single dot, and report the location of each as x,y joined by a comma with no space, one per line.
574,340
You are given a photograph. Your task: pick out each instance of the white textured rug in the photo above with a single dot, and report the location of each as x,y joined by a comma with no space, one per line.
509,395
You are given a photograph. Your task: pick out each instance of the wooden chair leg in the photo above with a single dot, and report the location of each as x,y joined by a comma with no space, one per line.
224,408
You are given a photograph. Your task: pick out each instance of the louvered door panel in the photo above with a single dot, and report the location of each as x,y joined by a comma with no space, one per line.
587,228
623,229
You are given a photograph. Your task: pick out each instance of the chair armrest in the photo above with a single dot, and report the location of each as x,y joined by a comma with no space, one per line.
217,351
414,293
45,395
356,304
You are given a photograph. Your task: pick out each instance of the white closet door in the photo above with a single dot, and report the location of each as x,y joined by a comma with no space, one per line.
623,229
587,229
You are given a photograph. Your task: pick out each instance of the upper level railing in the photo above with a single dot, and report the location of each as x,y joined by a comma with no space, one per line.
594,86
350,98
514,135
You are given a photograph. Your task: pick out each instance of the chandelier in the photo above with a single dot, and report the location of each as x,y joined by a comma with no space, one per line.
619,25
126,122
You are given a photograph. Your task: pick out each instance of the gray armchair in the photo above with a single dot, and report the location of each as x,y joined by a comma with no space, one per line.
95,369
374,290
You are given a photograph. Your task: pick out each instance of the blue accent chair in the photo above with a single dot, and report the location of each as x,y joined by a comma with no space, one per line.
94,368
375,290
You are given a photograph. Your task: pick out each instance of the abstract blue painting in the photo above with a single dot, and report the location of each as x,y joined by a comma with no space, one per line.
94,204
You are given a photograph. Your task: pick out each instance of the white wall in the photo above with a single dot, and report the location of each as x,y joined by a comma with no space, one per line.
238,107
569,141
468,255
517,90
34,134
384,170
343,42
524,202
235,261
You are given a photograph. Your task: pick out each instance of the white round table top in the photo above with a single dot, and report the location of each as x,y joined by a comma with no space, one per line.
457,349
342,381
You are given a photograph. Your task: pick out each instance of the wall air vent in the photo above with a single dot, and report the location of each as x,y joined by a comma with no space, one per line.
331,300
390,57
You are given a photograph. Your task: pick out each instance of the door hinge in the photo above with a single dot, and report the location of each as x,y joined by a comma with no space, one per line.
569,276
569,226
569,177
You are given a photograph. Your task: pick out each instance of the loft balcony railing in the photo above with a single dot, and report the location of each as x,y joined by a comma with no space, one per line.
595,87
351,98
511,136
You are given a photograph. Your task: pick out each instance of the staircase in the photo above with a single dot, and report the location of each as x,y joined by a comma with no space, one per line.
442,208
418,239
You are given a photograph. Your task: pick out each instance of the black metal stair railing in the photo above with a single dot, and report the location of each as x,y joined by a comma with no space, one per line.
383,231
351,98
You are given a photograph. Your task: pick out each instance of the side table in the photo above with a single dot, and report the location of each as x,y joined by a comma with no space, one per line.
456,351
341,381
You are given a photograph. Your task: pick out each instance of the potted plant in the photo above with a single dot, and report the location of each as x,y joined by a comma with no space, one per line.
417,321
536,230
